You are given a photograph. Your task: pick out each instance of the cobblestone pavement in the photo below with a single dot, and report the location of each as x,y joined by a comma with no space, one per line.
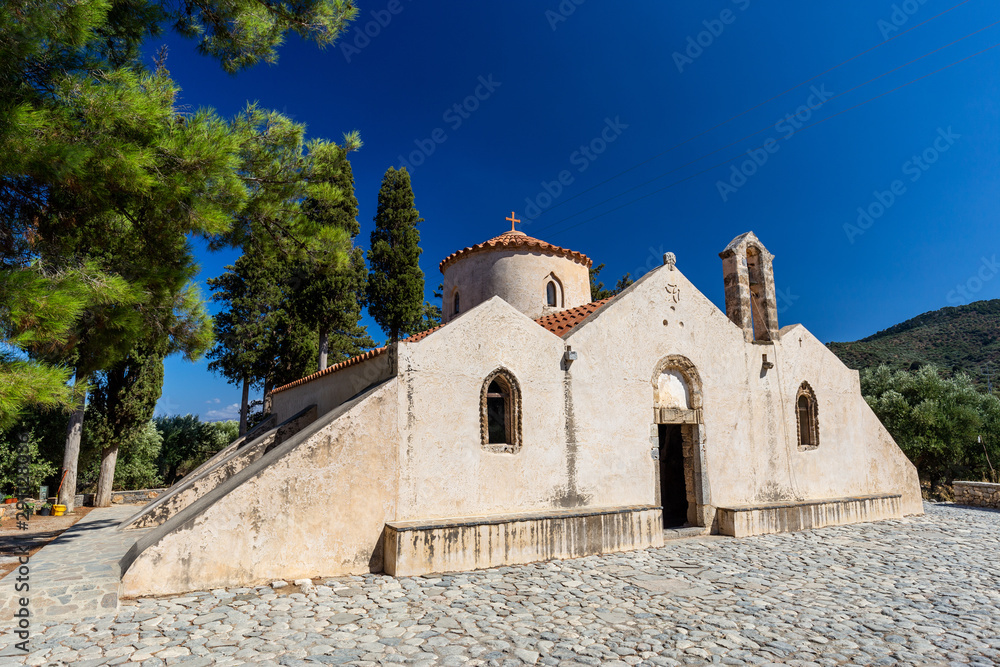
915,591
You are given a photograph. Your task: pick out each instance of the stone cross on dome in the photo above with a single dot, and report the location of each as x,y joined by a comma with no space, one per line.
513,221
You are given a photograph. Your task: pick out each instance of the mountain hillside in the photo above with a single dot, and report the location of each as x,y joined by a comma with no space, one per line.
955,338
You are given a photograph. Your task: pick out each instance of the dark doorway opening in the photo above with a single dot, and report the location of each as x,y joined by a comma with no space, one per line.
673,490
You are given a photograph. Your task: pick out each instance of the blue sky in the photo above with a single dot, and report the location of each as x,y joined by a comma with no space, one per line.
876,213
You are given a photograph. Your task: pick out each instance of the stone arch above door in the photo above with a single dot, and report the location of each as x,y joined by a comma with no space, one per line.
677,392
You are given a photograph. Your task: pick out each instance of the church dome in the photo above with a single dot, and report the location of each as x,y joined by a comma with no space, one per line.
536,277
513,239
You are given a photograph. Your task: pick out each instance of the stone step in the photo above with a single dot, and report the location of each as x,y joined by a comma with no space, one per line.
684,533
472,543
792,515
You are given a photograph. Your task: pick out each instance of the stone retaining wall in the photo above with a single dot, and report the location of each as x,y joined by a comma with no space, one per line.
977,494
136,497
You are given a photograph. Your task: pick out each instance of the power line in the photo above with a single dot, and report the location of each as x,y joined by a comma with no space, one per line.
802,129
756,106
733,143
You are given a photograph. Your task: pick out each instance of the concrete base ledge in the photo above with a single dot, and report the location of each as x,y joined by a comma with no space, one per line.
471,543
784,517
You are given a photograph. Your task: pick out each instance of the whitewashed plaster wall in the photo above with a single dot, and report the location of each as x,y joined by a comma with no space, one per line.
749,443
445,472
316,504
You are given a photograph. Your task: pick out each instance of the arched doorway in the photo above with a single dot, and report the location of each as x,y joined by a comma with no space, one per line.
678,422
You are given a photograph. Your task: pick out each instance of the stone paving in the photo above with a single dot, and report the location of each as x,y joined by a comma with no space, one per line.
76,575
921,590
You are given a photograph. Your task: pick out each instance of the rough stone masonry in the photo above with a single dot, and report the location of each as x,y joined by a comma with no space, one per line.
977,494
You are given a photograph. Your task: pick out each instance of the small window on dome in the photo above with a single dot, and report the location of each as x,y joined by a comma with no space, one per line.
455,311
550,294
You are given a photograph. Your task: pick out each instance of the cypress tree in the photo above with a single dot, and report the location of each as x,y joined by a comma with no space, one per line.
121,404
328,292
260,339
395,281
250,297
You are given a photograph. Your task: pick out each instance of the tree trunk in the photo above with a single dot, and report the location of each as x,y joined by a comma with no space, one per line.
105,482
268,385
245,407
324,347
71,457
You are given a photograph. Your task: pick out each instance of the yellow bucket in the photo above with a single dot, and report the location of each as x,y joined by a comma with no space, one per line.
58,510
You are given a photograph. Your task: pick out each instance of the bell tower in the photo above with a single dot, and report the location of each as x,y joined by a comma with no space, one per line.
748,273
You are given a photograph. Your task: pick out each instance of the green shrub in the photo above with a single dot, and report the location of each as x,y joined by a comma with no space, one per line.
38,468
937,421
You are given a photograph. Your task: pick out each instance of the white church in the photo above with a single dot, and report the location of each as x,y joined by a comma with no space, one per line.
536,424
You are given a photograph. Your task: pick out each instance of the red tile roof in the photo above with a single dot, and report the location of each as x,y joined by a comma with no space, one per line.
364,356
558,323
562,322
511,241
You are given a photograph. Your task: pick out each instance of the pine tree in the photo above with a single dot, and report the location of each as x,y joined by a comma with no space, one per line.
41,309
168,314
395,281
95,156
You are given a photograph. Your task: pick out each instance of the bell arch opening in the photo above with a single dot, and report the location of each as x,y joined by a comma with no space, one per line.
760,305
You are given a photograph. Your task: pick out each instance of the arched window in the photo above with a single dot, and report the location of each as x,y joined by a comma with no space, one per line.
455,305
806,417
497,407
550,294
500,413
